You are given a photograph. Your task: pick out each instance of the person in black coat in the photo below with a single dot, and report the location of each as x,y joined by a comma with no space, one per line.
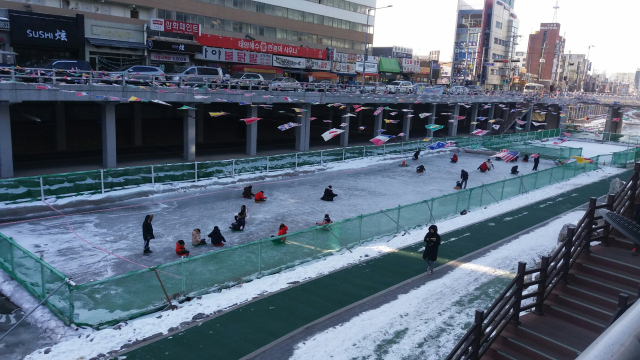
420,169
525,158
238,224
216,237
416,154
514,170
536,161
147,233
328,194
247,193
432,242
464,177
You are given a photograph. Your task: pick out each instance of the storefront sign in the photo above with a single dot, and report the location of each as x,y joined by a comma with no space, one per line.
172,26
314,64
121,32
344,68
370,68
410,65
5,24
236,56
260,46
173,46
164,57
298,63
425,70
42,30
401,52
372,59
345,58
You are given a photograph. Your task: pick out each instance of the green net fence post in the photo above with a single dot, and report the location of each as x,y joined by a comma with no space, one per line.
315,240
398,219
360,229
502,191
72,306
11,257
184,274
259,257
43,284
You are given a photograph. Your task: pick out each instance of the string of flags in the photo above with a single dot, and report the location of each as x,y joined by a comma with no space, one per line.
328,135
391,121
288,126
216,114
480,132
250,120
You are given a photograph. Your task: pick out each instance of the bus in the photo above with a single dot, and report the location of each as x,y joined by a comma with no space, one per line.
532,88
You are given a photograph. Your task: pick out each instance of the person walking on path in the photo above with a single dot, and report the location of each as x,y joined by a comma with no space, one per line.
432,242
536,161
464,177
147,233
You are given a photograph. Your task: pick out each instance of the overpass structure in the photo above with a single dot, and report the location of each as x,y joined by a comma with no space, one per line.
107,104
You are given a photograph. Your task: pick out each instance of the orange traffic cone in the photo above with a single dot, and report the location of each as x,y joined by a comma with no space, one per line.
403,163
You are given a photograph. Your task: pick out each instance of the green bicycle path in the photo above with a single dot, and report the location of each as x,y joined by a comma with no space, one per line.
245,329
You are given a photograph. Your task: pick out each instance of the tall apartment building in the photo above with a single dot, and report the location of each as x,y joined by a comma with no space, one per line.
484,41
190,31
574,69
544,54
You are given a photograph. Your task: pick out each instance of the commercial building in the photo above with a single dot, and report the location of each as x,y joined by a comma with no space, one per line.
624,83
485,39
574,68
544,55
292,36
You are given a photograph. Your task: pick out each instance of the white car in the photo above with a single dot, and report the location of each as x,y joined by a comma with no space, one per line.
284,84
400,87
458,90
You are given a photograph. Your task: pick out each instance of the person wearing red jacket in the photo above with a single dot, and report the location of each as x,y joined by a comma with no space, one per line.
454,159
260,197
283,231
484,167
180,250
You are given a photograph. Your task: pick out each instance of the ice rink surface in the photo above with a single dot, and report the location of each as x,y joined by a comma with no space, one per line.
292,200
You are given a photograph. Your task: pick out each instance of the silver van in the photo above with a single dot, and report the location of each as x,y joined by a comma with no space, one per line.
194,76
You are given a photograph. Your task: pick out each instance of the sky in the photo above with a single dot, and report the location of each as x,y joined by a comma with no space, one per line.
427,25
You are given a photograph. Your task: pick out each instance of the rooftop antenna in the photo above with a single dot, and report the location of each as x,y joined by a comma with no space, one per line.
555,13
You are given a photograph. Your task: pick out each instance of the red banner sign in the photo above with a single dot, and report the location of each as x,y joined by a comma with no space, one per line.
174,26
260,46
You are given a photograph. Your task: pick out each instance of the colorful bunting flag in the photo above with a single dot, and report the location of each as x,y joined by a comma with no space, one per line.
216,114
288,126
424,115
361,128
328,135
390,121
185,107
343,124
250,120
496,127
160,102
381,139
479,132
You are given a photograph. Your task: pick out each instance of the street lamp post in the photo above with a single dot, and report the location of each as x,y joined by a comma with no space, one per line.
366,36
586,73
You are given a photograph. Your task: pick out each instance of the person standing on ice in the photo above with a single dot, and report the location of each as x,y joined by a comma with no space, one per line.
416,154
536,161
432,242
147,233
464,177
328,194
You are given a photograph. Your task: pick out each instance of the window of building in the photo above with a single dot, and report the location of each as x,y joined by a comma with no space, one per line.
318,19
295,14
308,17
292,35
496,40
280,11
281,34
165,14
498,25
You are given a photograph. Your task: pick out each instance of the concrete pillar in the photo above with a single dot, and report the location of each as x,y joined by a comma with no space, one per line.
306,125
377,123
492,112
474,117
453,126
6,147
344,137
359,121
406,123
109,136
252,131
200,124
189,135
432,119
137,124
613,126
562,119
61,127
527,119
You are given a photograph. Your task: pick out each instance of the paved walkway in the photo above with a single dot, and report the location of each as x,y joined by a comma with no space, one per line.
245,329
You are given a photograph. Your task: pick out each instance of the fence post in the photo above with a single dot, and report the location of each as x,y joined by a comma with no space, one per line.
360,229
477,335
315,243
384,149
153,176
398,220
401,148
296,160
41,190
589,228
515,318
233,168
364,152
43,290
566,258
259,258
196,171
11,266
502,192
184,277
607,229
102,180
321,159
544,267
343,153
267,163
72,306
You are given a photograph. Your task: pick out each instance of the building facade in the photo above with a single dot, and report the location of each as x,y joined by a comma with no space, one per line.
624,83
574,68
544,55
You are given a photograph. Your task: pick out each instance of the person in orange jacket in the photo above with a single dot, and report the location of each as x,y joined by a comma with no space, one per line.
180,250
454,159
283,231
260,197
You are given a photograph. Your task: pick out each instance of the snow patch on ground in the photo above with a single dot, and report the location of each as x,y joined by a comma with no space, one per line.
426,322
592,149
89,342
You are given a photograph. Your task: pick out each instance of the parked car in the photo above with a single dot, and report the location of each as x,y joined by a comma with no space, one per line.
194,76
418,88
246,80
474,89
66,71
137,74
320,86
458,90
284,84
400,87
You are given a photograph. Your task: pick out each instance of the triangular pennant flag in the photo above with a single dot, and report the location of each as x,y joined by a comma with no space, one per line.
160,102
328,135
250,120
185,107
216,114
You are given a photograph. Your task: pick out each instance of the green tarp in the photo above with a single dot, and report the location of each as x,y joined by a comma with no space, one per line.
389,65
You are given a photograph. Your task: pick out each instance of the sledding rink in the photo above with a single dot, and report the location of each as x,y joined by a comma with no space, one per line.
363,186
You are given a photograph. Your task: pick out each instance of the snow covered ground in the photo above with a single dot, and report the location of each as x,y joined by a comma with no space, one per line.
88,343
426,322
591,149
363,186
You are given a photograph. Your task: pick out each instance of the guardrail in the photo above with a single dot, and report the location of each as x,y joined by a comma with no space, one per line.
553,269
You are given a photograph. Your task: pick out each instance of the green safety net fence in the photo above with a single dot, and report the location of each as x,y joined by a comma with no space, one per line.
622,158
137,293
96,181
545,151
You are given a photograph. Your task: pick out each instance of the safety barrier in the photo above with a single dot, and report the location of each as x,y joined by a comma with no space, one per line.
137,293
622,158
101,181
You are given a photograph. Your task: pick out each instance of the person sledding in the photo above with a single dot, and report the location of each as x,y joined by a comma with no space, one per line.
180,250
247,192
328,194
238,224
454,159
325,221
514,170
420,169
416,154
259,197
282,230
525,158
216,237
483,167
196,240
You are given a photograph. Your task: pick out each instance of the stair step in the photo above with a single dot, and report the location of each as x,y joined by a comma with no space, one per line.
540,343
577,317
617,239
578,306
606,301
511,351
609,274
602,285
615,259
562,331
